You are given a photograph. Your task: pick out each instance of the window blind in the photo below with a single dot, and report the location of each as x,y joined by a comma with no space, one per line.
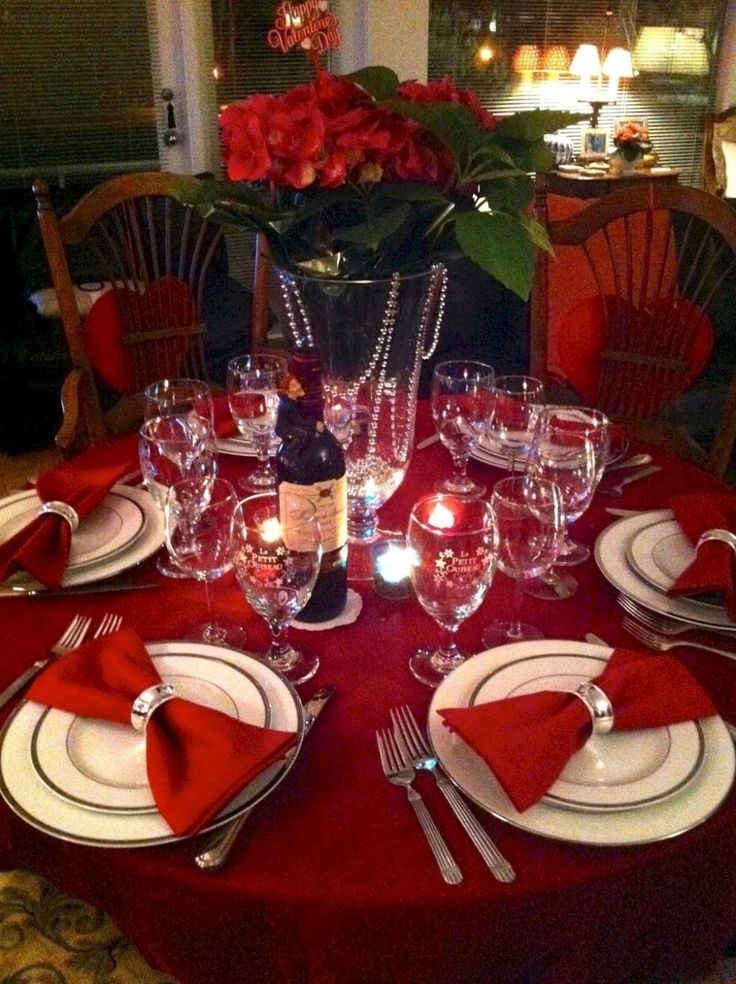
675,49
76,90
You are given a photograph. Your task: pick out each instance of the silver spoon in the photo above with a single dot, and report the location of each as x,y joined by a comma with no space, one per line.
633,462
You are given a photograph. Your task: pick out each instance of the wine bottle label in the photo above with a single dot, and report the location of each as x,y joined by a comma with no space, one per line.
330,501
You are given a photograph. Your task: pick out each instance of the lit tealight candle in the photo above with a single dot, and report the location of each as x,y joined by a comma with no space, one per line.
441,517
392,569
270,530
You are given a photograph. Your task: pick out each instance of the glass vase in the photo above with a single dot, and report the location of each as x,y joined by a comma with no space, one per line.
372,336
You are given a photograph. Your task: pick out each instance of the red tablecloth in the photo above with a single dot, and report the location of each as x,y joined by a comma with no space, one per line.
332,881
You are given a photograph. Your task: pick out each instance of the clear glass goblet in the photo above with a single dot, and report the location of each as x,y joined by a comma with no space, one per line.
253,383
178,397
589,422
568,460
199,513
462,405
170,449
516,406
531,529
276,562
454,543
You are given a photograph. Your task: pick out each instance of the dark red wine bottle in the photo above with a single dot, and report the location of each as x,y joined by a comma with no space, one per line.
310,464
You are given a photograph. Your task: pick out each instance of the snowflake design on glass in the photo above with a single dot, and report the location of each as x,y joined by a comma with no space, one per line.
442,562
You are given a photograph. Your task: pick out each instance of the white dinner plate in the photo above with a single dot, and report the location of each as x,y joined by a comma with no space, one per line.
31,799
483,452
236,445
660,553
686,808
611,554
143,546
110,528
101,765
619,771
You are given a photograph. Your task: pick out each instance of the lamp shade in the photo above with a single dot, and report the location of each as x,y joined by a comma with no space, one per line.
586,61
526,58
671,50
618,64
556,59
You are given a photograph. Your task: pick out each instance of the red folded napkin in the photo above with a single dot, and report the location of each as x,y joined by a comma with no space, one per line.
225,426
197,758
42,546
714,567
527,740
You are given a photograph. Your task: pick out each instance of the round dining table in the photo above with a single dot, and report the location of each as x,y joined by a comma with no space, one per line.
330,879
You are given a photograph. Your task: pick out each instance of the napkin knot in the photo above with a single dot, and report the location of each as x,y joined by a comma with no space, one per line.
63,509
598,706
148,701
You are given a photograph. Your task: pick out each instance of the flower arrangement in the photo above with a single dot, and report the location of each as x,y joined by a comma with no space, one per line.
359,176
632,139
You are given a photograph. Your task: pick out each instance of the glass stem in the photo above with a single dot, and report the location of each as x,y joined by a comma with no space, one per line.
460,464
280,649
514,631
447,656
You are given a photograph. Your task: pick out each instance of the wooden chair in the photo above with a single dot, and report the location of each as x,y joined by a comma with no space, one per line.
718,127
151,255
636,314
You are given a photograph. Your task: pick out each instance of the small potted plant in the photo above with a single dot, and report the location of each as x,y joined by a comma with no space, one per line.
631,139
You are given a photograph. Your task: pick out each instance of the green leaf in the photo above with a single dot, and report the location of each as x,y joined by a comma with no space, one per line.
500,245
372,232
410,191
513,194
532,125
380,81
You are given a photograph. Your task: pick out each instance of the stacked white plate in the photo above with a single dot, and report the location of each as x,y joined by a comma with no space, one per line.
125,529
84,780
643,555
620,788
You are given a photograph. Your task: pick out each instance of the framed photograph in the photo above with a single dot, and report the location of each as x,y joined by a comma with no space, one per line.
594,145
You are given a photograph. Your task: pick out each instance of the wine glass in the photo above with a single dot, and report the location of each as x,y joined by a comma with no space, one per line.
516,405
198,513
276,562
454,543
566,458
170,449
592,423
531,529
253,395
462,404
339,407
178,397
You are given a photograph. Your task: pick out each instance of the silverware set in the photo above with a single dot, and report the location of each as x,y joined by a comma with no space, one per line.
403,751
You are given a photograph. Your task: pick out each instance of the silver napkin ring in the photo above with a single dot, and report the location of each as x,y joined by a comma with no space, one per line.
149,701
63,509
725,536
599,707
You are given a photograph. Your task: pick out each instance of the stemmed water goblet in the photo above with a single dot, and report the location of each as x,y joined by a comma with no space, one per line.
199,513
277,560
178,397
454,544
462,404
172,448
517,403
531,529
253,383
566,458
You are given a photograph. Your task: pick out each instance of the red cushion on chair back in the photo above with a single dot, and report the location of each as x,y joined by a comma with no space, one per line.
120,314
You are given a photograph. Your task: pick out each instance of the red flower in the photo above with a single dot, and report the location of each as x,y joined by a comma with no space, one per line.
445,91
244,142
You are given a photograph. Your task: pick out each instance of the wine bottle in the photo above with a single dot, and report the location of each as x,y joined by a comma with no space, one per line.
310,464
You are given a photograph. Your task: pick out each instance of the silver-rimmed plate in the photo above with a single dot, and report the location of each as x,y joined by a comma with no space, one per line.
660,553
617,771
236,445
611,554
109,529
101,765
143,546
31,799
688,807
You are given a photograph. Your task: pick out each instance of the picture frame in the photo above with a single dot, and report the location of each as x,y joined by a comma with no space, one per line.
594,144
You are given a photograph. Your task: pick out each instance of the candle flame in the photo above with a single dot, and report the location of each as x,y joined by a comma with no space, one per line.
441,517
394,565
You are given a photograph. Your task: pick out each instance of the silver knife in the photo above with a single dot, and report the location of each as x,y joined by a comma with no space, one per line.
217,850
94,587
427,442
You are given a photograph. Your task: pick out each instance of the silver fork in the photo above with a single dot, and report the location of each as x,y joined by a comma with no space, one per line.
666,624
655,641
410,737
69,639
110,623
401,774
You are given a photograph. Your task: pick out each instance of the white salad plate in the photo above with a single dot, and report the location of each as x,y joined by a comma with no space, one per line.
236,445
35,802
623,770
660,553
141,546
612,549
111,528
101,765
690,801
